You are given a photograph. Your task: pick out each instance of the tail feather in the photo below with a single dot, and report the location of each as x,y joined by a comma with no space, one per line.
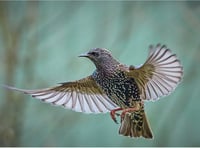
135,124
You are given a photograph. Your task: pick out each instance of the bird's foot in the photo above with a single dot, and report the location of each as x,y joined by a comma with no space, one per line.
113,113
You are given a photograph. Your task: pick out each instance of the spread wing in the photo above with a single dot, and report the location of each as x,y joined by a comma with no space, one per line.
159,75
82,96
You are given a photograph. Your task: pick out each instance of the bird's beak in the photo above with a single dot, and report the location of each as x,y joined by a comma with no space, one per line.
84,55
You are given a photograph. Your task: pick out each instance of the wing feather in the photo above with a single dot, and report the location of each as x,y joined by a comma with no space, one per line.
60,100
159,75
82,96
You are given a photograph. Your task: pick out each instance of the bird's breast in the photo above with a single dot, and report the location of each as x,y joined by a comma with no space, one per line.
118,87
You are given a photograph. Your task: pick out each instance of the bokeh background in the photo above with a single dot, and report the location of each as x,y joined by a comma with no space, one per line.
39,45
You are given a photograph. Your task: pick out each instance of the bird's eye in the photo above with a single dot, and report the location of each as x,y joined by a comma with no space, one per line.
94,54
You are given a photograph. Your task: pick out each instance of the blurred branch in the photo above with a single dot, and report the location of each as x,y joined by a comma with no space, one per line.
11,112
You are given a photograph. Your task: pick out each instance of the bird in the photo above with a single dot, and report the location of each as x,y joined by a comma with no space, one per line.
118,89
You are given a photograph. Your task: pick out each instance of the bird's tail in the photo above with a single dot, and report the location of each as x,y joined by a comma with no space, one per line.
135,124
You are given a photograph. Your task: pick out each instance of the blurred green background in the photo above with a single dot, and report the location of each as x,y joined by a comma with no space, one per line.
39,45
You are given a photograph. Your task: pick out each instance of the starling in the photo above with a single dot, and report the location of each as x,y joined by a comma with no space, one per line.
117,88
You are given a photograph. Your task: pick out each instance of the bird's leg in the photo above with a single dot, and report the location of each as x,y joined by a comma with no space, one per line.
132,109
127,110
112,114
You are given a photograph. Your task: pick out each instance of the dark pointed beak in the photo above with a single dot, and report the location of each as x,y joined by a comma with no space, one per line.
84,55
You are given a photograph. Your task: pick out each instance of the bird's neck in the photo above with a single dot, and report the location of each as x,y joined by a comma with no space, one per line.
107,66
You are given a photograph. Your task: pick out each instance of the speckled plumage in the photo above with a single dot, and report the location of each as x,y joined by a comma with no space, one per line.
117,87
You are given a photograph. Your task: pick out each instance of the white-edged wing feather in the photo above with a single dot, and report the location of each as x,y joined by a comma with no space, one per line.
81,96
159,75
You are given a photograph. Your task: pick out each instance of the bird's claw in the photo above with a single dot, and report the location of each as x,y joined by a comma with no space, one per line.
117,114
112,114
115,120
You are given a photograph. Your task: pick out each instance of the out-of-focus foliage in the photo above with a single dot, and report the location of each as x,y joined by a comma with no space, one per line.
39,44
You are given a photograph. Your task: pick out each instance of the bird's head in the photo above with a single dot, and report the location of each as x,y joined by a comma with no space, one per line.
100,57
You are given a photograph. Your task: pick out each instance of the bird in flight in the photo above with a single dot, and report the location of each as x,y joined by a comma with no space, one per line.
117,88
